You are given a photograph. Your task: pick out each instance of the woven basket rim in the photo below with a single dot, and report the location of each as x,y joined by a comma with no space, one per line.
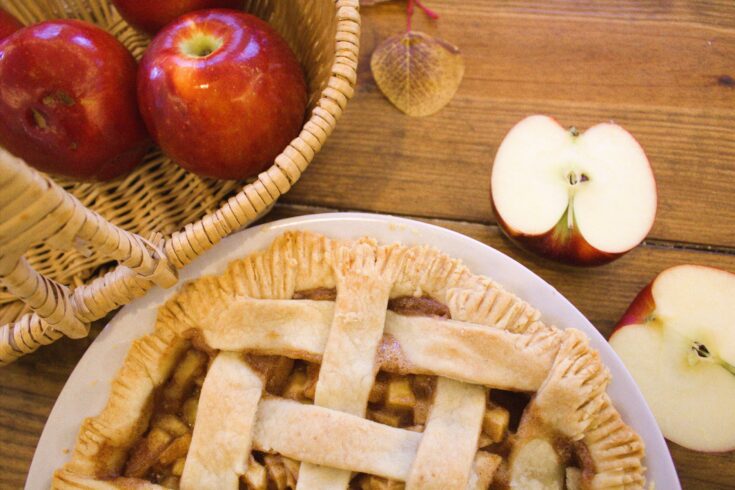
59,310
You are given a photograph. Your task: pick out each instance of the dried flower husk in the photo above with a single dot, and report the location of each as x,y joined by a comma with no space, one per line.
418,73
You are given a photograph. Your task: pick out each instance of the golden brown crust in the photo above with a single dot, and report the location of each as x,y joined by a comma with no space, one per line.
68,480
103,441
572,401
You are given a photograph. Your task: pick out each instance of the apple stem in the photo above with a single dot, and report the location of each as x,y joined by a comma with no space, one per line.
201,45
410,7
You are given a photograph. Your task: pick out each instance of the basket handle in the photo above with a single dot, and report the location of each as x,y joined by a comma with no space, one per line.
33,208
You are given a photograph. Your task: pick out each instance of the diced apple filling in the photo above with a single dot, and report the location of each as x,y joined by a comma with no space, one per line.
368,482
171,424
495,423
255,476
191,366
295,387
483,470
176,450
377,393
399,395
146,453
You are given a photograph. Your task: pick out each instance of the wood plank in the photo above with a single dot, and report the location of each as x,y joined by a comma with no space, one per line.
29,388
658,68
710,13
28,391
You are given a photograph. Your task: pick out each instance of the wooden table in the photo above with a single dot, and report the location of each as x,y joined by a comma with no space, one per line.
663,69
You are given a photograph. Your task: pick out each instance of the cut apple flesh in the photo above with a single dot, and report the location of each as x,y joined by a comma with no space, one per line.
599,181
682,355
699,304
692,402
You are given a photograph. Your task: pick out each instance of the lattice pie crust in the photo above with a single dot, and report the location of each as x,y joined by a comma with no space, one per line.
264,377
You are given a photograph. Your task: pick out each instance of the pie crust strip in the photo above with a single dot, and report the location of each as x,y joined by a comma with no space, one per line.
449,443
222,438
68,480
318,435
365,275
467,352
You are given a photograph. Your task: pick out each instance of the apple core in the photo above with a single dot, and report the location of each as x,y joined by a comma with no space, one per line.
575,179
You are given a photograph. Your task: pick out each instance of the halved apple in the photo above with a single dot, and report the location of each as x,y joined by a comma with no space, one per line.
677,339
582,199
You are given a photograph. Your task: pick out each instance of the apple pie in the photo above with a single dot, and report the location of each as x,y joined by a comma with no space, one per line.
330,364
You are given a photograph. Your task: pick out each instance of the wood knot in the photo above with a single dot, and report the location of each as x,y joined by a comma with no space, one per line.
726,81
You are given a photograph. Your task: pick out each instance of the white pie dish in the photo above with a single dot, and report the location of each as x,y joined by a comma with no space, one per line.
86,391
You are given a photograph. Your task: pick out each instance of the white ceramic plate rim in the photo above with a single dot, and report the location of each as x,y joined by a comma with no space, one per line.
86,390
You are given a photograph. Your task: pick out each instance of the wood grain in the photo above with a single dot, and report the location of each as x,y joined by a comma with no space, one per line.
29,388
662,69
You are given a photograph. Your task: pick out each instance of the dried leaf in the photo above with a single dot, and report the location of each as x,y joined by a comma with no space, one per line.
418,73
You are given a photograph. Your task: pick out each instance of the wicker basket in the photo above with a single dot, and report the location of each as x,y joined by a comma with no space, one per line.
59,239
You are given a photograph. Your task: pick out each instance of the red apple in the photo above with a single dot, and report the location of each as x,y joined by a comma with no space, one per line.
677,339
581,199
67,101
8,24
151,16
221,93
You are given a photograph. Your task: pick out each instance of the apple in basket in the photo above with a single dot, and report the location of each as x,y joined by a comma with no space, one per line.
677,339
582,199
152,16
68,102
221,93
8,24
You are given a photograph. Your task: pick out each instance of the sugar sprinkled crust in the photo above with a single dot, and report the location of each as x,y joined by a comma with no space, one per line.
493,340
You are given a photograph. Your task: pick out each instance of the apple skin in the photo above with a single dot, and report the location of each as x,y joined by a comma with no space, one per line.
68,102
559,244
8,24
640,309
229,110
151,16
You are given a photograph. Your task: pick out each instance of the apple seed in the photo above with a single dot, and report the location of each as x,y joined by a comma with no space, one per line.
700,349
700,352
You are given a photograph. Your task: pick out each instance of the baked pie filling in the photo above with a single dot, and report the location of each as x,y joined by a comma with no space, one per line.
325,364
